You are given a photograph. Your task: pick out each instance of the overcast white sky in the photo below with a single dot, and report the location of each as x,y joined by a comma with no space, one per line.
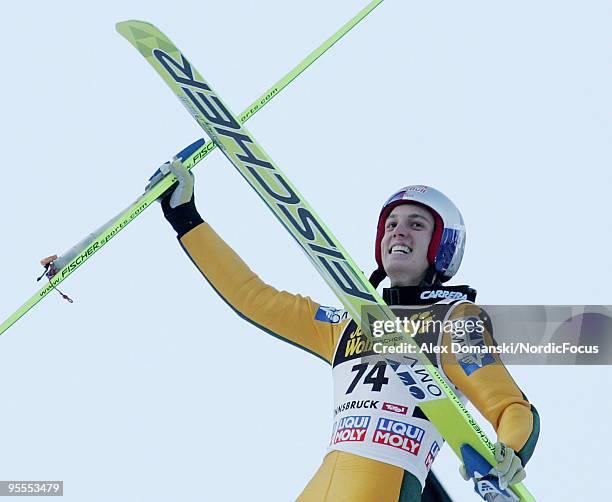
148,387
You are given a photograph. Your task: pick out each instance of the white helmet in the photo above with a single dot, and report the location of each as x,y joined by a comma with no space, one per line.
448,239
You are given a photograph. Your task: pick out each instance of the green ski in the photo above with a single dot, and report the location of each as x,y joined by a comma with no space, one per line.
191,156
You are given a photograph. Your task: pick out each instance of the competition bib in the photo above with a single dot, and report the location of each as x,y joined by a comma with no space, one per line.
376,405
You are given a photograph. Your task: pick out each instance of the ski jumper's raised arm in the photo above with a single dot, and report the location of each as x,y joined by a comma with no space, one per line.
290,317
489,386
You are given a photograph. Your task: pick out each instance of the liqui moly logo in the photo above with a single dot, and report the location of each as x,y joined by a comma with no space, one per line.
431,456
395,408
400,435
352,428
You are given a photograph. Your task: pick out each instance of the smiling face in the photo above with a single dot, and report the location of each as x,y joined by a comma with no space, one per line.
404,244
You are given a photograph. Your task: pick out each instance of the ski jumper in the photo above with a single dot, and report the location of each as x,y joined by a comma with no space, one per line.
382,445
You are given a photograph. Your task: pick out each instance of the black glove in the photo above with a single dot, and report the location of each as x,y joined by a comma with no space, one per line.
182,218
178,202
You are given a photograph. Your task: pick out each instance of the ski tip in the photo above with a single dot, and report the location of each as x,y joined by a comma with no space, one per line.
122,24
126,27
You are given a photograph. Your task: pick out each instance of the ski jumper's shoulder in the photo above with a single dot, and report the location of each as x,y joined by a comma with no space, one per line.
290,317
485,381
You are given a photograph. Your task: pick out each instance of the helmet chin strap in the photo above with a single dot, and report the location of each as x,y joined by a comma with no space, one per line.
377,277
430,279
